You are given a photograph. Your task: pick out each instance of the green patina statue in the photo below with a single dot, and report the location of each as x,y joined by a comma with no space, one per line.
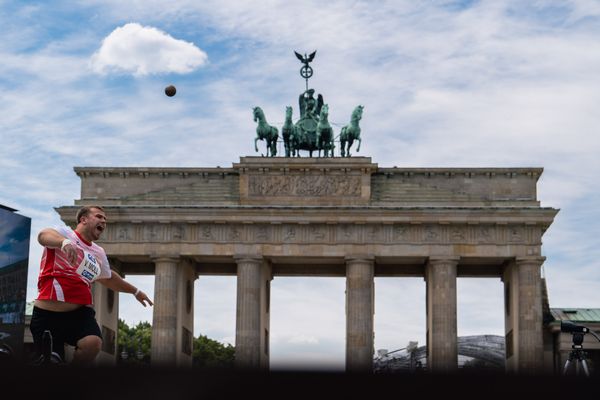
325,133
309,106
312,132
351,132
266,132
305,130
287,131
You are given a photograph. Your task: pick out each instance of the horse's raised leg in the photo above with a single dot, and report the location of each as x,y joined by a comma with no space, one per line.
358,148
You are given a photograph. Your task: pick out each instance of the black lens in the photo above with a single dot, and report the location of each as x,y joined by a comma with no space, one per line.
568,326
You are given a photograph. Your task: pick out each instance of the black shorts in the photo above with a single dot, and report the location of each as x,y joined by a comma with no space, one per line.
65,327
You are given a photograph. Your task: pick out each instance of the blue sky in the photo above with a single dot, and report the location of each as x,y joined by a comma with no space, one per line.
444,84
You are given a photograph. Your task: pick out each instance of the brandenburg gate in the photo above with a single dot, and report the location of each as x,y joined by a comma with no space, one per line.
341,216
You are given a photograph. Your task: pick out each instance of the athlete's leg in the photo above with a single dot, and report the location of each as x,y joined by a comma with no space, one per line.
85,336
87,349
41,321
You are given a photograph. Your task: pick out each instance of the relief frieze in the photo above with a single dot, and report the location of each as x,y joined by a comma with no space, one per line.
206,233
151,233
124,233
486,234
177,233
374,233
457,234
431,233
515,234
290,233
261,233
343,233
234,234
307,185
400,233
347,233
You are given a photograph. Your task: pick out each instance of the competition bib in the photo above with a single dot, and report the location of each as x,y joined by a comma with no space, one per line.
89,268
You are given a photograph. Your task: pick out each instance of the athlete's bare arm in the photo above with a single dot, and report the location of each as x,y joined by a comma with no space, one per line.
118,284
50,238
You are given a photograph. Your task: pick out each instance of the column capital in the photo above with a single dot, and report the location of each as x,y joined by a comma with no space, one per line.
250,258
539,260
166,258
362,258
437,260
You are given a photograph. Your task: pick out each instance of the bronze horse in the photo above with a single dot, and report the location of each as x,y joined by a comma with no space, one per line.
325,133
351,132
266,132
287,131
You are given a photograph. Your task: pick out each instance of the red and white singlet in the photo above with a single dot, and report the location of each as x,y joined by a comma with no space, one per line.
59,280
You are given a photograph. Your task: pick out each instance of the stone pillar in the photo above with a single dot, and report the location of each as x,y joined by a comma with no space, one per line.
442,341
360,308
252,322
523,315
106,305
164,319
186,275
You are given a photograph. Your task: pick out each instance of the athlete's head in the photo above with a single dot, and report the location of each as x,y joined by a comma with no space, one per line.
91,222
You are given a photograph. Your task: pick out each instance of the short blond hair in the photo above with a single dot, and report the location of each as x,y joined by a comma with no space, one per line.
85,210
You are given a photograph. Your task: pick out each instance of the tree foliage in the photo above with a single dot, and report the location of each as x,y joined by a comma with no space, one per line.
210,354
134,343
134,348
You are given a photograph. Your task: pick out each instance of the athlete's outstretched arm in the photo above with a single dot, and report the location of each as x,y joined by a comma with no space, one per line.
118,284
50,238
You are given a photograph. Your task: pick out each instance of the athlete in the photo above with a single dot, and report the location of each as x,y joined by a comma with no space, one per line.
71,263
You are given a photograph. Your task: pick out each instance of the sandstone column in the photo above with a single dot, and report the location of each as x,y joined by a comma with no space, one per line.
186,275
442,346
106,305
523,298
360,306
164,320
248,314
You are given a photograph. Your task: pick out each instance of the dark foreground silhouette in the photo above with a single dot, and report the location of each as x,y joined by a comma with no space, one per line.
69,382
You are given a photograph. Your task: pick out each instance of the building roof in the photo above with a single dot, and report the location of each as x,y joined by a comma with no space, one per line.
576,314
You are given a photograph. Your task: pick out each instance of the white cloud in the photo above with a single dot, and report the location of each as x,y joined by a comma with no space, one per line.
142,50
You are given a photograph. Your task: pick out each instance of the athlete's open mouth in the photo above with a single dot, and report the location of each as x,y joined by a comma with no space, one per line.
100,228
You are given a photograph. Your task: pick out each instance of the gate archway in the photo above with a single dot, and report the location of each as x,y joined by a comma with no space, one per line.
342,217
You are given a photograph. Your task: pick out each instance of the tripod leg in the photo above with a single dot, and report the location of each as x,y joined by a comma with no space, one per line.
585,367
566,367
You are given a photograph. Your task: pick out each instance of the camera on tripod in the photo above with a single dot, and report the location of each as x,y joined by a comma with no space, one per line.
577,355
578,332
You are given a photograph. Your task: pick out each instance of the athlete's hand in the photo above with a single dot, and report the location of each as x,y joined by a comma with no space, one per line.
70,250
143,298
